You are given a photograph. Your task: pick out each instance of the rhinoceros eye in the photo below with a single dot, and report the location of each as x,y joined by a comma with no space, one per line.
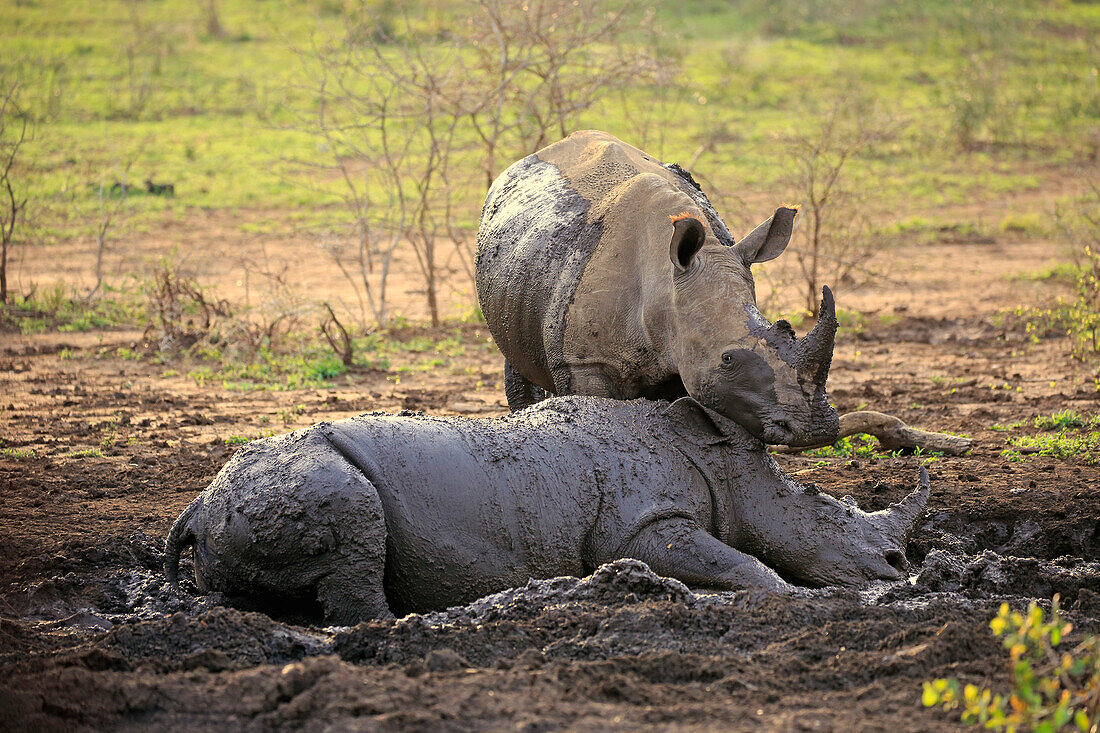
727,358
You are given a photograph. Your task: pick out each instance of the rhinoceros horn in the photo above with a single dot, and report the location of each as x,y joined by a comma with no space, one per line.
814,353
900,519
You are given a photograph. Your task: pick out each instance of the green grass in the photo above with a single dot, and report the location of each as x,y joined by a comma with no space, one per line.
987,90
853,446
303,363
59,308
1067,420
85,453
310,367
18,453
1063,272
1065,434
1025,223
1084,447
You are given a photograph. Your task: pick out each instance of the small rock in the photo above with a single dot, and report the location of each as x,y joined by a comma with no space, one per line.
81,620
530,659
214,660
1088,601
444,660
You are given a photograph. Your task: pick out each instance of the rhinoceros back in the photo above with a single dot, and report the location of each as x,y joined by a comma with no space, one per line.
533,243
473,506
543,219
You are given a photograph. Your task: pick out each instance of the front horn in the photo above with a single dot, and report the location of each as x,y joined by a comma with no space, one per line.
814,354
900,519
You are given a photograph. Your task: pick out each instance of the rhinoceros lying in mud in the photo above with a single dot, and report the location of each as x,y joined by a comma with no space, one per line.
602,271
415,513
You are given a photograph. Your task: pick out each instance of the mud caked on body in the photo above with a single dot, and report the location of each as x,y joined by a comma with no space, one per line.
602,271
379,514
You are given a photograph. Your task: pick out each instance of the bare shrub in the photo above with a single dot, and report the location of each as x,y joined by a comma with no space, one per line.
187,319
982,108
181,313
833,242
338,337
1079,222
408,125
540,64
214,27
388,113
144,53
273,315
111,206
13,133
649,118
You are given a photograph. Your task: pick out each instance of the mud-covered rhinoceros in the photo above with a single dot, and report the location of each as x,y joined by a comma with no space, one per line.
382,513
602,271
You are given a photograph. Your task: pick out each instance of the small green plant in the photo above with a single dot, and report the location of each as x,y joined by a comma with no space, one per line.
1051,688
289,415
110,434
236,440
1066,420
17,452
997,427
1066,434
1085,447
850,321
851,446
85,453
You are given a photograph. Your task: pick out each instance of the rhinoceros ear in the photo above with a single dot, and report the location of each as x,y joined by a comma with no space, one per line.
688,413
768,240
688,236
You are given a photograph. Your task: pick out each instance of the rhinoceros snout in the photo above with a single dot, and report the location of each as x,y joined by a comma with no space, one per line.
821,429
777,432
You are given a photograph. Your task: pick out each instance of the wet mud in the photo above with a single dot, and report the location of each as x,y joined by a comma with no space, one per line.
92,636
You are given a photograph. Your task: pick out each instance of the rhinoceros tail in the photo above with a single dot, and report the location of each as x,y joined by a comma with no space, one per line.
180,536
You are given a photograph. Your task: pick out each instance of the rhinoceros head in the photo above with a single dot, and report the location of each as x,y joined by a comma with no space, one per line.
731,358
806,535
848,546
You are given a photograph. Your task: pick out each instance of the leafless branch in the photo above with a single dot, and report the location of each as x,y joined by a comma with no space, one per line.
836,241
13,133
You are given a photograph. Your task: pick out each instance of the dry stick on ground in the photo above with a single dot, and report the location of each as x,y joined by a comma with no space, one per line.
893,434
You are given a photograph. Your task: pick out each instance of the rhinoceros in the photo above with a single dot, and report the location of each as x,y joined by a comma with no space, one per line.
602,271
378,514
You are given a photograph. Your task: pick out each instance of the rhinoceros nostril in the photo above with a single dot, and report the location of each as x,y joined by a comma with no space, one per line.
896,560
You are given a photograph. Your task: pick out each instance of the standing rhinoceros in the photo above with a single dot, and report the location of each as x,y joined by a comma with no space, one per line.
602,271
407,513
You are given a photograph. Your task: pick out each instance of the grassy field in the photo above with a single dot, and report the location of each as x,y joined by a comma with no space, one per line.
150,334
980,119
987,98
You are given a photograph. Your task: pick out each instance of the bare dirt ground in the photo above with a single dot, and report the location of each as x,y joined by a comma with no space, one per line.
91,637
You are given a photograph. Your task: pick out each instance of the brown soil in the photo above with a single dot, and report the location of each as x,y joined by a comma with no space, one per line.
92,637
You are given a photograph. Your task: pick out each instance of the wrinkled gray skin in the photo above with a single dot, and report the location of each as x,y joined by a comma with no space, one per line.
413,513
590,287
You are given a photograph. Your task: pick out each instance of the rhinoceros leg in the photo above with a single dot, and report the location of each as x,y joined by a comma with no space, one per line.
680,548
521,392
592,380
354,593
